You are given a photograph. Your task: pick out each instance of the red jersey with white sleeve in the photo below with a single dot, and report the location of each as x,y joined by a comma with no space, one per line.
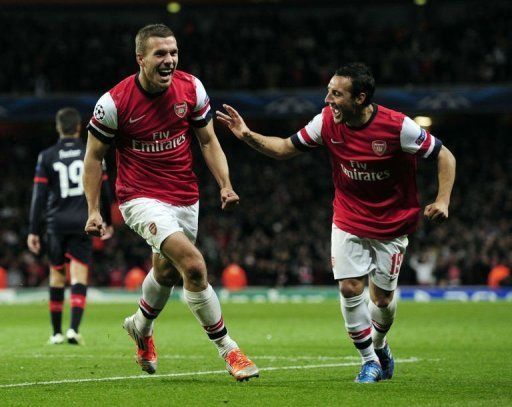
152,133
374,170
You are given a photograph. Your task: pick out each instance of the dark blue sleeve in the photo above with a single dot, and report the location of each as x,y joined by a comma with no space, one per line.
39,196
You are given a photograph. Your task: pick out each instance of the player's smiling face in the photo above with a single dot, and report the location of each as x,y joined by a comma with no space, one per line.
158,63
340,100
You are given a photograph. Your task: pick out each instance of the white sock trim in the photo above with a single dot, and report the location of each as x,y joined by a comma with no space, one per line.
198,296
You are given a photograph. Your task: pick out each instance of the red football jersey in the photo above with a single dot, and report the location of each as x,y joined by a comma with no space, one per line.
373,169
152,134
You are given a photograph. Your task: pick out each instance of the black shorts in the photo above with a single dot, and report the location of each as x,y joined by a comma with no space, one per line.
69,247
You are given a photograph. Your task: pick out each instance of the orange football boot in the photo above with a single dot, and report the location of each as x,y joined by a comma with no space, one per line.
240,366
146,351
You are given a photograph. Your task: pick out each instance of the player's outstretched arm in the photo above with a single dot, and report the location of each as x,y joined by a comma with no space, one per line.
275,147
438,211
218,164
92,178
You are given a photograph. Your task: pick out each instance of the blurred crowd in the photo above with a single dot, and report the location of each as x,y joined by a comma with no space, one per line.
280,234
77,49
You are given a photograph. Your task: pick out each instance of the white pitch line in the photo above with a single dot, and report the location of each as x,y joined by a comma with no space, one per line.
211,372
190,357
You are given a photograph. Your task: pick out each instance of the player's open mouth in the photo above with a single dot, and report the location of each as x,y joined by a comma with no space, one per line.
165,73
335,110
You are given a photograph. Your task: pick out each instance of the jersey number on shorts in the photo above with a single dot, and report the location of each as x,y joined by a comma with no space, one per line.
70,178
396,263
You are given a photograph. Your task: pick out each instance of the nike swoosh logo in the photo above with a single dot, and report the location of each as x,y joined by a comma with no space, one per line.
136,120
336,142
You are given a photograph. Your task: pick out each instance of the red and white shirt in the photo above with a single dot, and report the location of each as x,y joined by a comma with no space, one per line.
373,169
152,134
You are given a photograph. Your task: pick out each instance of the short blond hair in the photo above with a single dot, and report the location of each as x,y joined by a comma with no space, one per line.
152,30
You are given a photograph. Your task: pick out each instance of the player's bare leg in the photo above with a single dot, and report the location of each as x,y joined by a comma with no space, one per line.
79,273
57,285
359,327
156,289
204,303
382,309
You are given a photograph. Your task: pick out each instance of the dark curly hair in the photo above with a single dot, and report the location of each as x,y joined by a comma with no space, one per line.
362,79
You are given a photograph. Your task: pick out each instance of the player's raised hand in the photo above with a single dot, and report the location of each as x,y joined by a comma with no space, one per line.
229,199
34,243
436,212
95,225
233,121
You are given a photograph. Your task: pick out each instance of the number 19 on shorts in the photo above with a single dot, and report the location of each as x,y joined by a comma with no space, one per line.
396,263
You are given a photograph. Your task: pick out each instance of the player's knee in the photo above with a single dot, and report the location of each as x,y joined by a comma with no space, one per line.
79,273
380,297
57,277
351,288
194,270
165,276
349,291
382,301
164,273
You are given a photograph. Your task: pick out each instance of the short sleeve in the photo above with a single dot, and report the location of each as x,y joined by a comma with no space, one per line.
201,114
416,140
103,124
310,136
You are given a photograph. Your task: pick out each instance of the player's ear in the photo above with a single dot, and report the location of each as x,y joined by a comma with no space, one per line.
140,59
360,98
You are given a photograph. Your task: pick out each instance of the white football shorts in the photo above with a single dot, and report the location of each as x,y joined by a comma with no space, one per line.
354,256
154,220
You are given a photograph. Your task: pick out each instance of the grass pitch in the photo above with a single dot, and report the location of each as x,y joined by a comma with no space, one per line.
448,354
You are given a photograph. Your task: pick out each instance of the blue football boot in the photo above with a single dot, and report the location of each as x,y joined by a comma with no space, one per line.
371,372
386,361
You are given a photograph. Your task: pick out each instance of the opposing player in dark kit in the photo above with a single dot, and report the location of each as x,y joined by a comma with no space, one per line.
58,197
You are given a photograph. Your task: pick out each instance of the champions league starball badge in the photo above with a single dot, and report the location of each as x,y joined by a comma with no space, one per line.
99,112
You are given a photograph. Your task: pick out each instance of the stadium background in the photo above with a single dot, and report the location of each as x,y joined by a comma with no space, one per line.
448,61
